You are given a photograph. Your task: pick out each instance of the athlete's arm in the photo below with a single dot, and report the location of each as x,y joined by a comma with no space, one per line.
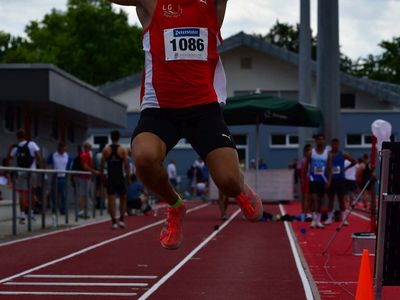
104,155
221,8
126,2
126,166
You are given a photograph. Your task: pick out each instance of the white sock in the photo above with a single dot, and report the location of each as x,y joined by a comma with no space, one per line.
330,215
314,216
318,217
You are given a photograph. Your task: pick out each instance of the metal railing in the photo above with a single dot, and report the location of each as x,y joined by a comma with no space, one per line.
54,203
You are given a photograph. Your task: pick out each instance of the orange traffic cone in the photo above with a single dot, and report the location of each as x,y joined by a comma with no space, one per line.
365,290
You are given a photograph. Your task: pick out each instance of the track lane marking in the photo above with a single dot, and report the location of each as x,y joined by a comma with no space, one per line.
84,250
303,277
63,230
76,283
361,216
186,259
67,294
91,276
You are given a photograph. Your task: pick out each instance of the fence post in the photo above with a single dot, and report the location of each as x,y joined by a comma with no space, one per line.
66,178
29,201
14,203
42,200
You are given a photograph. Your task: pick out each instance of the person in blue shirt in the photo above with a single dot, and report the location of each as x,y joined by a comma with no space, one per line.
59,160
317,166
337,180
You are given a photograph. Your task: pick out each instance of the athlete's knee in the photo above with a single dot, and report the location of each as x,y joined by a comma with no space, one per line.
145,159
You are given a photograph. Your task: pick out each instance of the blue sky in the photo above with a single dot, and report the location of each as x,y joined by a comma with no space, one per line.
363,23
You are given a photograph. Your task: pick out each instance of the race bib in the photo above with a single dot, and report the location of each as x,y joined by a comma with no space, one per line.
319,171
186,44
336,170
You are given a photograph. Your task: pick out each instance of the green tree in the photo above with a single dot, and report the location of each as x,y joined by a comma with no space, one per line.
383,67
90,40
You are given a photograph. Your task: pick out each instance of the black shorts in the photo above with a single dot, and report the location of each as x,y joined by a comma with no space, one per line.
202,125
350,186
317,188
116,187
338,187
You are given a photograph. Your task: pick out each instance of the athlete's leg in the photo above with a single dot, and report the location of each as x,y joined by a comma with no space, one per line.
122,207
148,151
223,164
223,205
111,207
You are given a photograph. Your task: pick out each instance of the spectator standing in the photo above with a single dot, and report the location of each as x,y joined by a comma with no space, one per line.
85,185
5,178
60,160
172,175
364,176
350,176
317,163
98,188
302,177
27,155
117,159
336,178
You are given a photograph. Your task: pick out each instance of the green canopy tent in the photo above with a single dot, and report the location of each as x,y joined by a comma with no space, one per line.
265,109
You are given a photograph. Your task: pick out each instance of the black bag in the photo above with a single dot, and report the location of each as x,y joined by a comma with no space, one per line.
24,157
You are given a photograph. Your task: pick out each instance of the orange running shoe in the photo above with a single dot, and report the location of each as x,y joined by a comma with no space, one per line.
172,232
250,204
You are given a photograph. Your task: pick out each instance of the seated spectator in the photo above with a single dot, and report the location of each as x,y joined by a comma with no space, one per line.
136,198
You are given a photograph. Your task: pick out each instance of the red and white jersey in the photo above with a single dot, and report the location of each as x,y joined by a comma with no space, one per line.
182,65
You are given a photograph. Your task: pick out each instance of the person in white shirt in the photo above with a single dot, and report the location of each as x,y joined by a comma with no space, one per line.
60,160
172,175
350,176
27,155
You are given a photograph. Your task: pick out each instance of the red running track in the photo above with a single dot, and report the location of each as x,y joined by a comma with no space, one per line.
336,273
239,261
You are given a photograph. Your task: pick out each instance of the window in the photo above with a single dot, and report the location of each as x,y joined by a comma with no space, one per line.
246,63
358,140
240,139
347,101
284,140
100,140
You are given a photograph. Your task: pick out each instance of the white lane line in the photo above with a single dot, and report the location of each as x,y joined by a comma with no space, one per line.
361,216
92,276
303,277
67,294
84,250
186,259
336,282
62,230
77,283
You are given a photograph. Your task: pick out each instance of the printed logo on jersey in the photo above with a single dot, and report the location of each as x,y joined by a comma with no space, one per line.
203,1
172,10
